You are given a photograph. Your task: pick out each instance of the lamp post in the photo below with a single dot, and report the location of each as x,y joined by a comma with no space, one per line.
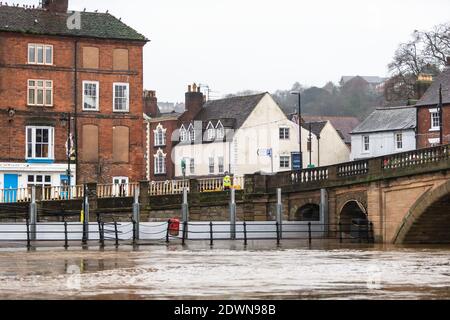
299,114
66,121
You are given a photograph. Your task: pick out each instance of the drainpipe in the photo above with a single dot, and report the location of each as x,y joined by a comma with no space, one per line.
75,113
318,150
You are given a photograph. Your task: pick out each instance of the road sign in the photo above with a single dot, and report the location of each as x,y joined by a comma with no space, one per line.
265,152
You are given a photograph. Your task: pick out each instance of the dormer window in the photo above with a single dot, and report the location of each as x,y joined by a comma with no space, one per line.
220,131
210,132
191,133
160,136
183,134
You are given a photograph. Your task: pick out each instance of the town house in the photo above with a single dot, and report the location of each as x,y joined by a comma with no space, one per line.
71,107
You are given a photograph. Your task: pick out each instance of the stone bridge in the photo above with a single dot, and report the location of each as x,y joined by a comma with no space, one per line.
405,196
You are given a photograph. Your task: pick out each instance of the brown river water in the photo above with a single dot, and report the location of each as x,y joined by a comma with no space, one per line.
226,271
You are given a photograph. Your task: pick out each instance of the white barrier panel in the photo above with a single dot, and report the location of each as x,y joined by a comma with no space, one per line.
158,231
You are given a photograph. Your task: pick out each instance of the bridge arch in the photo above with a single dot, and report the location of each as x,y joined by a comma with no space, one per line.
428,220
352,212
308,212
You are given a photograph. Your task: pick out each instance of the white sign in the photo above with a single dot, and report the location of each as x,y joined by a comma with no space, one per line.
265,152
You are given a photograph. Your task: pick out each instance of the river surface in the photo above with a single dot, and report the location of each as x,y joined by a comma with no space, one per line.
227,271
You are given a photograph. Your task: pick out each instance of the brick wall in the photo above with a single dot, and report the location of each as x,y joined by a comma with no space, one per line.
14,73
424,125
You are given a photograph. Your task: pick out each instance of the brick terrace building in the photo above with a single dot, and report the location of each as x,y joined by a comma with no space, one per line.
52,63
162,132
428,113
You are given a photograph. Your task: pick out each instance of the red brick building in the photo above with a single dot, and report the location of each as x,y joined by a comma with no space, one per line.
55,66
430,119
162,132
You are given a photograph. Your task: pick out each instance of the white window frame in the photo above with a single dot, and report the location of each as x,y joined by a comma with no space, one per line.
192,166
210,132
283,160
43,183
191,133
127,106
221,164
434,112
51,143
211,164
286,133
183,133
159,136
97,85
397,141
364,150
44,89
160,155
220,131
44,54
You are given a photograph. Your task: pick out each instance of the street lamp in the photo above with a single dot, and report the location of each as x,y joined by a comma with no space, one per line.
66,121
299,114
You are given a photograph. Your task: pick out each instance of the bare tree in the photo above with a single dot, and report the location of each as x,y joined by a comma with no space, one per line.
427,53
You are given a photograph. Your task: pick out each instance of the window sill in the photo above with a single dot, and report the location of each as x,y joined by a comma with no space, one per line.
434,130
160,145
42,161
160,174
121,111
91,110
39,106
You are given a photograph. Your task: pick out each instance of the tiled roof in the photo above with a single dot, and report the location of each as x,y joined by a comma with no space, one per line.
43,22
238,108
316,127
431,96
388,119
343,124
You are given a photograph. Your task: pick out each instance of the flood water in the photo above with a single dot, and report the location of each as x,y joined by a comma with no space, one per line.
227,271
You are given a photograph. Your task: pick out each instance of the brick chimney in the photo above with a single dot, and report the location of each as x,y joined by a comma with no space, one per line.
194,101
423,82
59,6
150,103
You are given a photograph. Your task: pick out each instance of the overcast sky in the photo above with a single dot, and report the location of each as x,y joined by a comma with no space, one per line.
234,45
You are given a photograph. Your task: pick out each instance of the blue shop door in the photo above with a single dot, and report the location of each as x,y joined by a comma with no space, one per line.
64,187
11,183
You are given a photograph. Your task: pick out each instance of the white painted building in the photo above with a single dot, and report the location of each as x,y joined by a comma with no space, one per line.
233,135
385,131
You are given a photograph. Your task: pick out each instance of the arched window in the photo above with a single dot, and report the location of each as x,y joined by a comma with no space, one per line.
220,131
160,136
160,162
183,133
211,132
309,212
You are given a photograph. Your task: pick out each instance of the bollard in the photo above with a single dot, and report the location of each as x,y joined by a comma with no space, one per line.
116,232
168,231
85,216
309,233
278,233
279,213
184,233
134,231
245,233
185,208
33,214
66,240
28,235
211,236
233,215
137,211
102,235
340,232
